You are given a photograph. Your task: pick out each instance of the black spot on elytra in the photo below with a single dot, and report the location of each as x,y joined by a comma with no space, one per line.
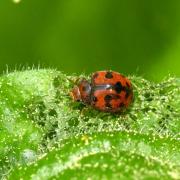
118,87
108,98
109,75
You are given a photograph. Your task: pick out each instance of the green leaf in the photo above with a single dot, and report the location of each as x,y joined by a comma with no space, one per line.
37,113
114,155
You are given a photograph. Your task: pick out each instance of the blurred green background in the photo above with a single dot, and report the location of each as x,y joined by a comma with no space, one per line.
130,36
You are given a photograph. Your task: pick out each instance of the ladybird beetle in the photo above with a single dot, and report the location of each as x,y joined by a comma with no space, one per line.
107,91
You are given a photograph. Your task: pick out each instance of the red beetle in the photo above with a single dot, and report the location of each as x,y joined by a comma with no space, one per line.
108,91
